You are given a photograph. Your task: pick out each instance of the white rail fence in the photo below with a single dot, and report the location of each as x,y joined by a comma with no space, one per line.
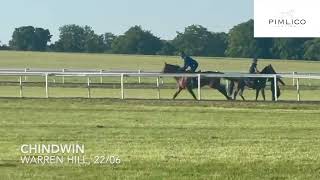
37,70
122,76
101,71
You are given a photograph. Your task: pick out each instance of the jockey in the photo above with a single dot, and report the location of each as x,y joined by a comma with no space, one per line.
189,63
253,68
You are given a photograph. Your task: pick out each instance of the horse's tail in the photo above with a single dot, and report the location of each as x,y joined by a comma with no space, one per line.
278,92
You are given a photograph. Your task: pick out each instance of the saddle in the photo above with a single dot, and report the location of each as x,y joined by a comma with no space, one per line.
189,81
251,82
188,71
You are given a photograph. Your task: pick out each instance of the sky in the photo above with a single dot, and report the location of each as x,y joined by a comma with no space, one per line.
162,17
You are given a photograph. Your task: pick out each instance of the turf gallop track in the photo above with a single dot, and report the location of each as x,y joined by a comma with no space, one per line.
165,139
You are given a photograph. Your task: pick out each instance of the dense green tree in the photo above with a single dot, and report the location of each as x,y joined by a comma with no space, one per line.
92,42
74,38
22,38
197,40
193,41
120,45
311,49
264,47
241,42
288,48
108,39
167,48
41,39
218,44
28,38
137,41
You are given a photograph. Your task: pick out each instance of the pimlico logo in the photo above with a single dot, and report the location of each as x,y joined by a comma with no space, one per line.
287,19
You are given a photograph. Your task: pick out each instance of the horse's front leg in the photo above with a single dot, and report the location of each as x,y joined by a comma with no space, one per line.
257,93
177,93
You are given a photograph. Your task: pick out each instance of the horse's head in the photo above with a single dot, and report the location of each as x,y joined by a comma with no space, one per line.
270,70
169,68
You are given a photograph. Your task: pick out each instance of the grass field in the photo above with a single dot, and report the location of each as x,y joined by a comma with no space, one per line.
158,139
131,62
206,94
165,139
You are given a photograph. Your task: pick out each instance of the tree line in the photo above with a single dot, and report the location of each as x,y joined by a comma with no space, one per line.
196,40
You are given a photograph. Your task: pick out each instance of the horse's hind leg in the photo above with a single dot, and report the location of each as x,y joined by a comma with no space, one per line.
235,93
177,93
192,93
222,89
241,94
263,94
237,90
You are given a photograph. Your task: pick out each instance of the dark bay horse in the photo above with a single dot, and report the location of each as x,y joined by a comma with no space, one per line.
237,85
191,83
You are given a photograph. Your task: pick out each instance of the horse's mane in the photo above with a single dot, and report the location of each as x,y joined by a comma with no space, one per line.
268,70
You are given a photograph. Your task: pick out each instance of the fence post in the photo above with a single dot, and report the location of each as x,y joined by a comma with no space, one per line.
275,87
139,78
89,90
20,82
158,87
47,89
101,79
122,86
293,79
298,89
63,70
310,80
25,77
199,87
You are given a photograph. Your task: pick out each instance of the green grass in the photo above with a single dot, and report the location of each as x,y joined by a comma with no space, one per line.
165,139
206,93
158,139
11,59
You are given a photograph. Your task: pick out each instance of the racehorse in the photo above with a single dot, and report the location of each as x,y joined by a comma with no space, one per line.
191,83
237,85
